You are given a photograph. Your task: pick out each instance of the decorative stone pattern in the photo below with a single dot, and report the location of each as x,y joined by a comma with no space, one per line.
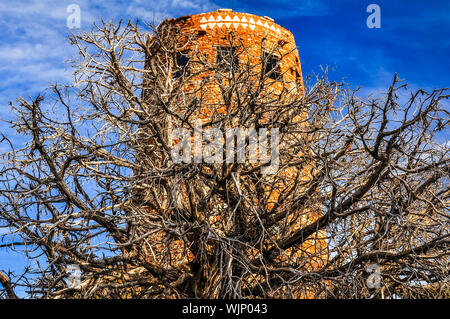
234,21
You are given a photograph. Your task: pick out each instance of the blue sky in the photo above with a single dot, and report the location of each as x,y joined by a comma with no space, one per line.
414,40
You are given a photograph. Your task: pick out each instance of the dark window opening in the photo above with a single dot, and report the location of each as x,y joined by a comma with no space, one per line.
272,66
298,78
227,59
181,67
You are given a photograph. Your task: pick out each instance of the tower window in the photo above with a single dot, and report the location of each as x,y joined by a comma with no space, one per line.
182,60
227,59
271,66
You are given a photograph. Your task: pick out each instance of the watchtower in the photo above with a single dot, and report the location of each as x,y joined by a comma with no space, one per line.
208,51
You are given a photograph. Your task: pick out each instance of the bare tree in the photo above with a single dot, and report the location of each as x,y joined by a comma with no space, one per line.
358,207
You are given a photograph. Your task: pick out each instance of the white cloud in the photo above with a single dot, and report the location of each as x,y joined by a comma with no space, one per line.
33,37
157,10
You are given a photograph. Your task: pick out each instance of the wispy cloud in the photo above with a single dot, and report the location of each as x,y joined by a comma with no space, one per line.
33,37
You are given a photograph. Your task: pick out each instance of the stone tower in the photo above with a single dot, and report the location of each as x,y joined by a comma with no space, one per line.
244,41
